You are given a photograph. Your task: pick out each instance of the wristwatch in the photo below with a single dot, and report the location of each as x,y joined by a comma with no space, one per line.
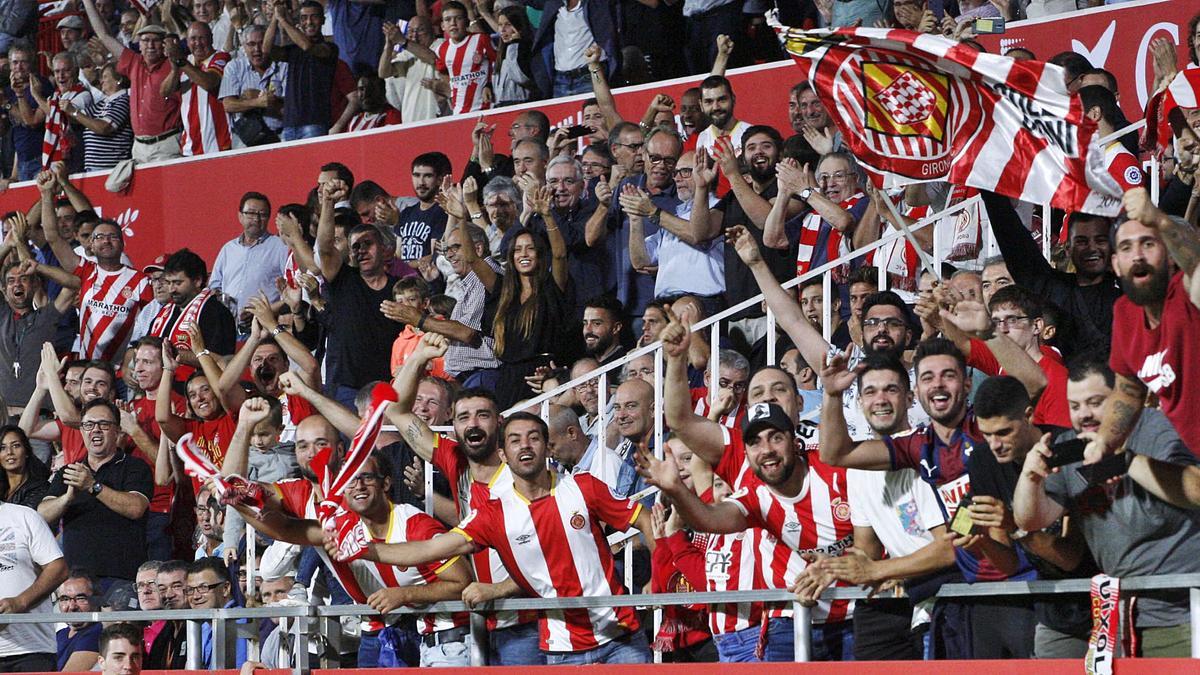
277,330
95,489
805,194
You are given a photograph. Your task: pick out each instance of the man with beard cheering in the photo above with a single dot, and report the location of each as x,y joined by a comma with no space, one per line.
1154,344
474,467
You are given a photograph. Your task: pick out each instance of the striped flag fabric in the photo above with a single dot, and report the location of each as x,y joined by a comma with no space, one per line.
914,107
1182,92
55,141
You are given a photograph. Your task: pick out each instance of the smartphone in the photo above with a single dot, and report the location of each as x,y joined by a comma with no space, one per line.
578,131
962,522
1106,469
1067,452
992,26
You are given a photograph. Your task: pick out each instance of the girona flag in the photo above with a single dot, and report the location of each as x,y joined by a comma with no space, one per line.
914,107
1182,92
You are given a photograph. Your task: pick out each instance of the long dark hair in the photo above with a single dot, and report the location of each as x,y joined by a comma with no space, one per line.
510,290
5,488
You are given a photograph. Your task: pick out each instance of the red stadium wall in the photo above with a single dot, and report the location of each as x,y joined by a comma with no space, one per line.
193,202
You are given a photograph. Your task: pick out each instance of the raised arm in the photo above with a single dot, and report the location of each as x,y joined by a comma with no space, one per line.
703,436
558,245
755,205
603,93
61,247
79,201
724,51
342,418
420,438
237,456
295,350
837,448
100,28
595,230
969,318
1033,509
782,303
283,18
231,399
172,425
331,259
413,553
722,518
705,223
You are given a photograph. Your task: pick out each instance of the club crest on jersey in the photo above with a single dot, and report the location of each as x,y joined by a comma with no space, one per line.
578,521
841,509
126,293
1133,175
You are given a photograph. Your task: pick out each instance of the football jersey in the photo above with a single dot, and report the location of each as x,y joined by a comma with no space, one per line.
555,547
108,304
469,65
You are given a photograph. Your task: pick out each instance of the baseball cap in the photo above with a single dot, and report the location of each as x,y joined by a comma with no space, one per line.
158,264
152,28
765,416
70,22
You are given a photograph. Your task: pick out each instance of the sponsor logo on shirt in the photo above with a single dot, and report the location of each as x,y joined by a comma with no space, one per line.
1156,372
717,564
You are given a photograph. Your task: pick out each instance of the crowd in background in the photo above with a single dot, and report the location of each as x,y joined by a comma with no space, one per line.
849,448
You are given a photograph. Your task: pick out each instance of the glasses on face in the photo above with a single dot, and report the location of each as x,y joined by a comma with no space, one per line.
590,384
146,586
367,479
662,159
260,215
633,146
202,589
728,384
177,587
1009,321
77,599
595,166
685,172
886,323
102,425
106,237
836,175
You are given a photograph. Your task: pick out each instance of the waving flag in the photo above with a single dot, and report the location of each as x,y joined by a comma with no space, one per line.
1182,92
345,526
915,107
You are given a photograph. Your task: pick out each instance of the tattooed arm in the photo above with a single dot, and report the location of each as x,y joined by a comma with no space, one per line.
1121,413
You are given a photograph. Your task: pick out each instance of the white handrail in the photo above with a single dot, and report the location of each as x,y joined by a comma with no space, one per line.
716,319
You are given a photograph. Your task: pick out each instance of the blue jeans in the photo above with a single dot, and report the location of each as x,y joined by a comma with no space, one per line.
739,647
447,655
833,641
632,648
484,378
306,131
158,541
566,84
27,169
391,647
515,646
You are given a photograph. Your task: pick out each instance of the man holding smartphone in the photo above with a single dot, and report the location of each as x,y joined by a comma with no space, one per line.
1134,526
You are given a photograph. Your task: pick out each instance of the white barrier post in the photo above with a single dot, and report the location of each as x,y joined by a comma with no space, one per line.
802,631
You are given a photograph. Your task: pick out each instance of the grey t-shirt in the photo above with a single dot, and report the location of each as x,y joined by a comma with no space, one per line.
1130,531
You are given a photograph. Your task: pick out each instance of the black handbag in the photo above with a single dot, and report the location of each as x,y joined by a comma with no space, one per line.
253,131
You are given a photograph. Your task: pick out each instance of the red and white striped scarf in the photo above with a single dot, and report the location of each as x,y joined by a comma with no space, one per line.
191,313
810,234
56,141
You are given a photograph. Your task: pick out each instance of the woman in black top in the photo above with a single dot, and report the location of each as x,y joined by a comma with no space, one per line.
25,479
532,323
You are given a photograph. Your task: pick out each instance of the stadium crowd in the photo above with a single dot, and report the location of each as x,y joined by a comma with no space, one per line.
996,416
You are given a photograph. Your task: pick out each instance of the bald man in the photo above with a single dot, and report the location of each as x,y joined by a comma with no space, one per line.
577,452
633,414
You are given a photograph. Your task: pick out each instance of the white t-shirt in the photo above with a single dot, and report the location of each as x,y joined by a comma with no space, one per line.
25,541
572,37
901,509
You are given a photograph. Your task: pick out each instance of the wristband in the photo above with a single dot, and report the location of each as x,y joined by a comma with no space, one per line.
476,216
203,353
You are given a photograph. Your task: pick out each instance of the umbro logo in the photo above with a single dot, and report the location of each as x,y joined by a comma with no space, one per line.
524,539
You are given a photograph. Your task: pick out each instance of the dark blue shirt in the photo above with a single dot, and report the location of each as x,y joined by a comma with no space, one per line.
86,640
309,87
27,140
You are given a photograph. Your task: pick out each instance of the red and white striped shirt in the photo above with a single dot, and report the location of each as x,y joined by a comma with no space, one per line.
810,238
469,64
555,548
406,523
1123,166
468,493
365,120
299,499
816,520
205,124
731,564
108,304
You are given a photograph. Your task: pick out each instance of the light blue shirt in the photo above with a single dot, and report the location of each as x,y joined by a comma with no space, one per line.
684,269
206,643
242,271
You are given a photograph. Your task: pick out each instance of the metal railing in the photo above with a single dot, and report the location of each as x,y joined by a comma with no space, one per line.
303,619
